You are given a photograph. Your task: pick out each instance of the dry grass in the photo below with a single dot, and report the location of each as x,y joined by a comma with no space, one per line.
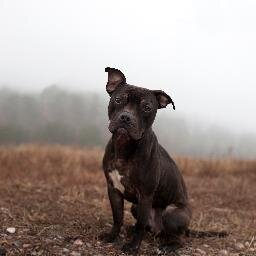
54,195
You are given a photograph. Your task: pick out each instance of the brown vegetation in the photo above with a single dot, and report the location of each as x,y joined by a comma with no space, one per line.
56,199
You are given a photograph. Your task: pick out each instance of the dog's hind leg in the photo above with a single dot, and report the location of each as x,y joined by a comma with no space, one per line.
155,219
176,220
175,224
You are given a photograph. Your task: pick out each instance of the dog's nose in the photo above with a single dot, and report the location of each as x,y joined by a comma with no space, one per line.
125,117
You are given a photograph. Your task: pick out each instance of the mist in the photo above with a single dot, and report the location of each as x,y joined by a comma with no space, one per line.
201,53
57,116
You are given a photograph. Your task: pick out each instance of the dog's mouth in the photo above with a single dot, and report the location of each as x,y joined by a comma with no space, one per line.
122,136
121,132
124,132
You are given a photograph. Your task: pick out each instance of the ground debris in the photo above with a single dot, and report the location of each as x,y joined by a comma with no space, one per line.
200,251
57,202
239,246
78,242
223,252
74,253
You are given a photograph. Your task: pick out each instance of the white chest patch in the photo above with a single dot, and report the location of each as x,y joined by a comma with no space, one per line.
116,179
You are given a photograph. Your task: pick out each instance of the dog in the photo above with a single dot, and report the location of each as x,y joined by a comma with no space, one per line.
138,169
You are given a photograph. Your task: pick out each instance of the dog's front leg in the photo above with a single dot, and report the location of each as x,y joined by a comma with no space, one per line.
117,206
144,207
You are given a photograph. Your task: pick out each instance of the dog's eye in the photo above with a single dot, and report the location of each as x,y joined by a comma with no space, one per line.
147,108
118,100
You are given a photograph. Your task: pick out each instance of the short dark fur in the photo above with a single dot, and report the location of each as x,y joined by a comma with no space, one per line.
151,179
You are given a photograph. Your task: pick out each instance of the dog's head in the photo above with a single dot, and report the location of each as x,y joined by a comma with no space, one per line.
132,109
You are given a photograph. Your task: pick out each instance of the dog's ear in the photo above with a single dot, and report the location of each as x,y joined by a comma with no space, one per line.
163,99
115,78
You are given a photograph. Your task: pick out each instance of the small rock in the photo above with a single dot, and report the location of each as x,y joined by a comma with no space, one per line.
206,246
88,245
239,246
78,242
158,251
11,230
17,243
223,252
247,244
65,250
48,241
73,253
202,252
251,250
26,245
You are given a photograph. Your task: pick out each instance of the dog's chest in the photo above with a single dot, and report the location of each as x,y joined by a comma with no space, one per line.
116,180
121,181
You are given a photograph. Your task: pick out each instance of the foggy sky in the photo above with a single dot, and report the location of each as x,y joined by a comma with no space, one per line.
200,52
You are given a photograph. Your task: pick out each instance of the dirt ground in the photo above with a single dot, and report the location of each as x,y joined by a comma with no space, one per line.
53,201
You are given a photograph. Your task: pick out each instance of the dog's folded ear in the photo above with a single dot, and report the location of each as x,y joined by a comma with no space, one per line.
163,99
115,78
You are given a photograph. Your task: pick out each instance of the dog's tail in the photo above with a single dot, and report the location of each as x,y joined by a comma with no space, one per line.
200,234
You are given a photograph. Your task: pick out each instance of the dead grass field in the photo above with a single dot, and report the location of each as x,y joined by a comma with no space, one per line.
56,199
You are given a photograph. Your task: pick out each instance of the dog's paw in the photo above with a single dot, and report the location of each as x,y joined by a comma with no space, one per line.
130,248
169,248
108,237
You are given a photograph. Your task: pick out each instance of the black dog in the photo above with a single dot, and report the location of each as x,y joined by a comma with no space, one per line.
137,167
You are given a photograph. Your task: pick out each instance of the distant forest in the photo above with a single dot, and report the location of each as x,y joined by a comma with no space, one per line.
62,117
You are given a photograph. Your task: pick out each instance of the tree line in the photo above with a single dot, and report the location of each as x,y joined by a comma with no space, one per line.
79,118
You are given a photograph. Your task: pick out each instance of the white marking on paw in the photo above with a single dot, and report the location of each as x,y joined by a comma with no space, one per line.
116,179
